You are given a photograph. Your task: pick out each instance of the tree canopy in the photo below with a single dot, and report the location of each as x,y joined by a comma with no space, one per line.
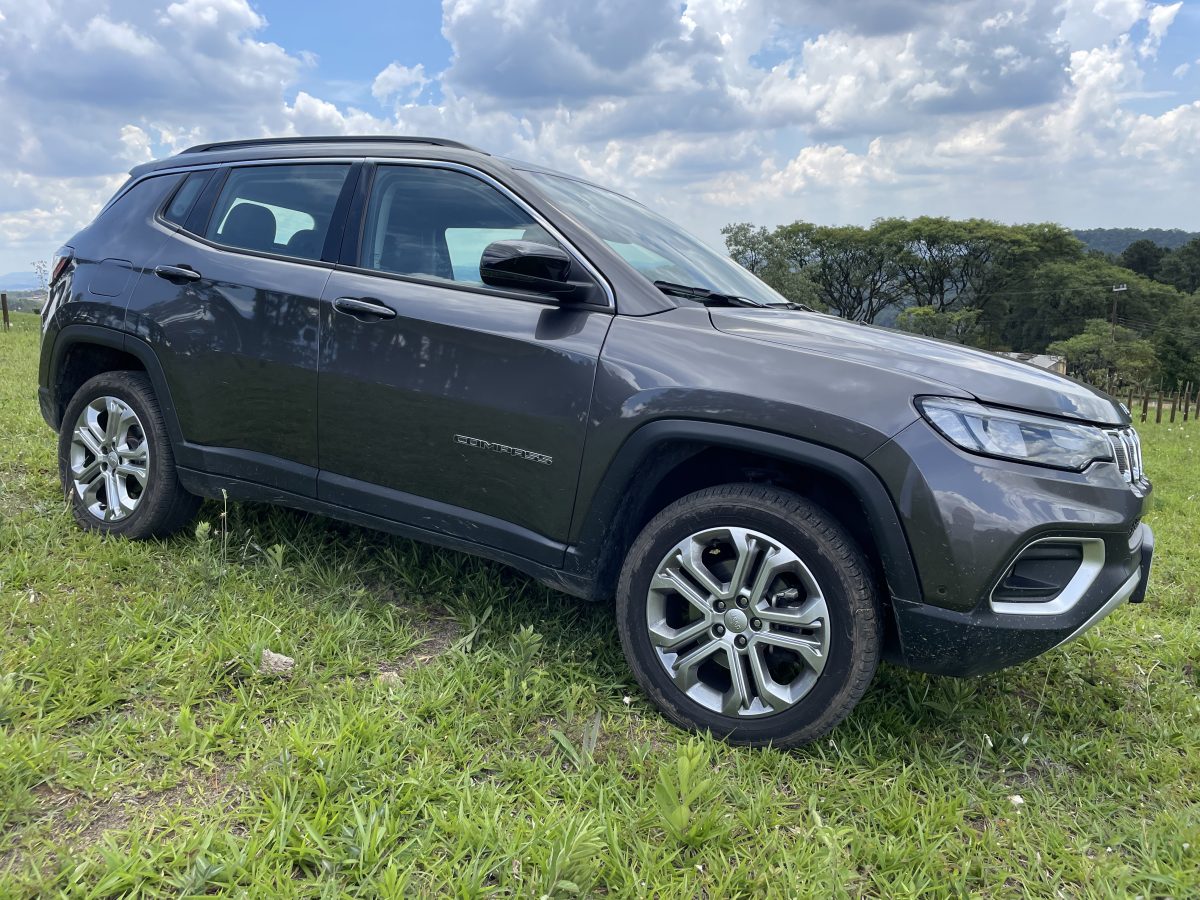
1027,287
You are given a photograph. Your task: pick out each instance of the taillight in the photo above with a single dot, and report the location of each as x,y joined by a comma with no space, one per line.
62,256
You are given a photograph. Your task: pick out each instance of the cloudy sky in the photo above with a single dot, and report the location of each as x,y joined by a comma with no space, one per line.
1085,112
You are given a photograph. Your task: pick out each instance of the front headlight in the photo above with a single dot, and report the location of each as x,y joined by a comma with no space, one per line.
1008,434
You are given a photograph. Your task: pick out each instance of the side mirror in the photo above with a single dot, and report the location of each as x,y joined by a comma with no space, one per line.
530,266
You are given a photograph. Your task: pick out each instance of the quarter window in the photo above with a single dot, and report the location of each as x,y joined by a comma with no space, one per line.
181,203
278,209
435,223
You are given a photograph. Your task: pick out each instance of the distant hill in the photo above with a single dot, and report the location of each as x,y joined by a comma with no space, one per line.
1115,240
19,281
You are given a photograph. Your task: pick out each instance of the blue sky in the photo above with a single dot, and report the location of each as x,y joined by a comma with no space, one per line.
1085,112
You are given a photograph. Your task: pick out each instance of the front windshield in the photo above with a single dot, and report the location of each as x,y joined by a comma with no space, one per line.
656,247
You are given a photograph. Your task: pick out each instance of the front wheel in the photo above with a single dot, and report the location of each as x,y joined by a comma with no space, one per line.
115,460
748,611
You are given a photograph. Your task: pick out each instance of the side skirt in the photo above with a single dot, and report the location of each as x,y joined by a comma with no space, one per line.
207,485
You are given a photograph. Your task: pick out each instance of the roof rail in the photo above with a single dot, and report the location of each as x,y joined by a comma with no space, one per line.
334,139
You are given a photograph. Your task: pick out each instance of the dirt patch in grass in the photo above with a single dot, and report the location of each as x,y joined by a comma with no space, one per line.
438,634
77,822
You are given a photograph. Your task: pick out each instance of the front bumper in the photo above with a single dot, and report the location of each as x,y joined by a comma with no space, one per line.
948,642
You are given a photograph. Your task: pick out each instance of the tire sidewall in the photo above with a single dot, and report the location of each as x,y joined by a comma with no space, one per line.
845,647
132,389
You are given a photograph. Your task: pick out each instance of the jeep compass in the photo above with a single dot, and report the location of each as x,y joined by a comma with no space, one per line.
412,335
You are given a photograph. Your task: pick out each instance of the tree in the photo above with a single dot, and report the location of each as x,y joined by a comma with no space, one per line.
1143,257
958,325
1057,297
768,255
1181,267
1104,356
855,273
847,270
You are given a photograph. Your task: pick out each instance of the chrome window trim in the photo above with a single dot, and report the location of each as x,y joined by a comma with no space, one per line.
131,183
575,252
1065,600
512,195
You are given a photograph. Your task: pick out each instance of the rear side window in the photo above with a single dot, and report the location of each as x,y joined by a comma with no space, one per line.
435,223
277,209
181,204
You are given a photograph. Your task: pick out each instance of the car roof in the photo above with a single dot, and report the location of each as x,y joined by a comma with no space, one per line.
220,152
368,145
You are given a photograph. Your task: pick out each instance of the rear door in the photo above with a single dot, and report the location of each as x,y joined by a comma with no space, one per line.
454,406
233,313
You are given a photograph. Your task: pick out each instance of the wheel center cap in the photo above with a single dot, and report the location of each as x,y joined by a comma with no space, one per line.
112,459
736,621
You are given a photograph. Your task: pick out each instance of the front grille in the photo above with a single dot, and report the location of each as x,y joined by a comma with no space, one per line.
1127,452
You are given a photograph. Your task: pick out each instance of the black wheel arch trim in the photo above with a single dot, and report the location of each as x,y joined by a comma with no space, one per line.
74,334
646,457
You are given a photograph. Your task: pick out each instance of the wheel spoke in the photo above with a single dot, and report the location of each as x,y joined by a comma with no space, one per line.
124,503
112,503
112,421
91,421
86,474
126,419
89,492
684,674
737,698
670,580
691,560
776,560
87,437
747,550
808,648
663,635
812,614
134,462
767,688
138,473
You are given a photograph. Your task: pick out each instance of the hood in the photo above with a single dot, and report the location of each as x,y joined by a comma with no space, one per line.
986,376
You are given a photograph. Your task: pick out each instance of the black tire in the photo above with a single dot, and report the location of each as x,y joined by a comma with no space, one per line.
835,562
162,507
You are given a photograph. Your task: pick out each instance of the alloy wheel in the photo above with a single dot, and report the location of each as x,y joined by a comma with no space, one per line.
110,459
738,621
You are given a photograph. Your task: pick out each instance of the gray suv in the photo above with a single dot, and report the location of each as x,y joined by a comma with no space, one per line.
413,335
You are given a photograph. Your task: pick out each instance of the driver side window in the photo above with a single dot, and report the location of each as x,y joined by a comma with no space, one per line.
435,223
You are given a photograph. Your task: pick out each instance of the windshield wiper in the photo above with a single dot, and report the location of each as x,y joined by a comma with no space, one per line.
715,298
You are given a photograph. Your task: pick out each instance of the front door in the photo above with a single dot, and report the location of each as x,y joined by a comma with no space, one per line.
445,403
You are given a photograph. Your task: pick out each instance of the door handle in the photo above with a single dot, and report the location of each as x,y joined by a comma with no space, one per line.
353,306
177,274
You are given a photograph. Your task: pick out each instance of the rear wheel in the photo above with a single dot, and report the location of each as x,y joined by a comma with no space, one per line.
115,460
748,611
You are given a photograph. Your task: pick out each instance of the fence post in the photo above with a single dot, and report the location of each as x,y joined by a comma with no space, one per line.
1187,400
4,307
1129,405
1158,409
1174,403
1145,401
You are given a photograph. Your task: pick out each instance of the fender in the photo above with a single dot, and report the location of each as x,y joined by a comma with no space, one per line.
75,334
647,455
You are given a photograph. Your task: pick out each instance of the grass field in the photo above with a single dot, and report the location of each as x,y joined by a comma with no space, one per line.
452,728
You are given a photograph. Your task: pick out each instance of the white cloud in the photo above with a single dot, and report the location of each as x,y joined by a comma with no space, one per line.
1158,21
399,81
713,111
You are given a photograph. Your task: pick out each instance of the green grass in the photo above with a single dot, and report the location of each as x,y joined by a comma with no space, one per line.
506,751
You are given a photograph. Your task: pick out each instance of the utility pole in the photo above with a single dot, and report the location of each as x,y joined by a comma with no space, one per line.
1117,288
